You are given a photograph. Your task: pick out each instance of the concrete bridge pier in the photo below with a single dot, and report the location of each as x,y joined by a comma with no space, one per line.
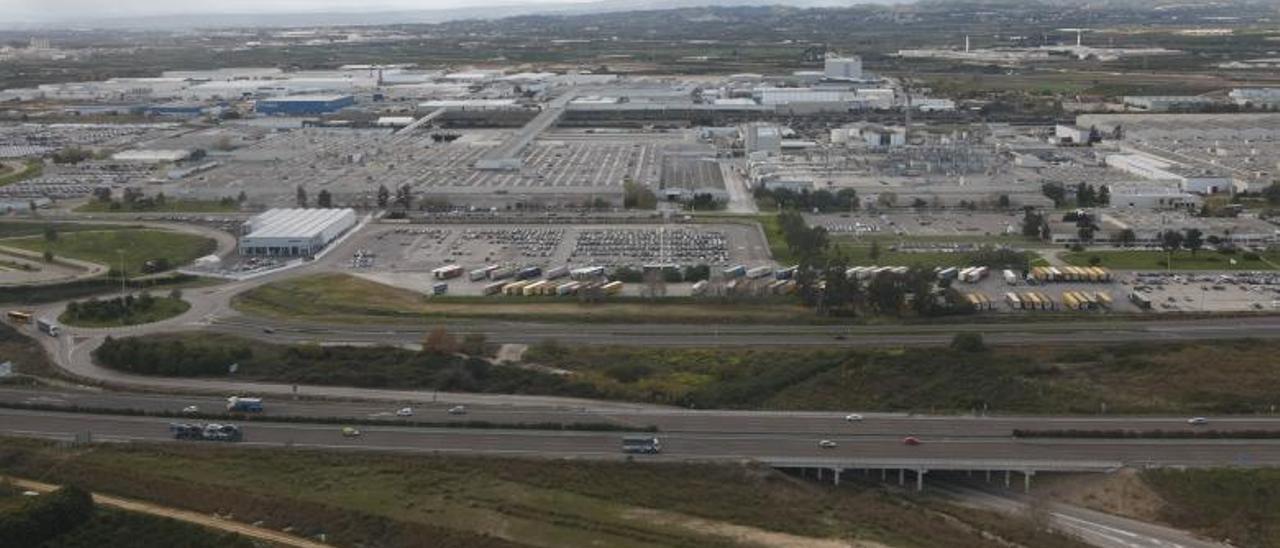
920,472
1026,480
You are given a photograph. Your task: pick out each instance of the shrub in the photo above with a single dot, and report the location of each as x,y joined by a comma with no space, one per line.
968,342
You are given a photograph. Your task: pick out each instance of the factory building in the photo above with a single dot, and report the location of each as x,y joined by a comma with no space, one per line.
1152,197
763,139
843,68
303,105
1167,103
685,177
1255,97
294,232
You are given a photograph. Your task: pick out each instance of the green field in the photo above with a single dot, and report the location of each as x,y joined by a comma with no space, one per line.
399,500
339,297
14,229
161,308
1182,260
137,246
29,170
169,206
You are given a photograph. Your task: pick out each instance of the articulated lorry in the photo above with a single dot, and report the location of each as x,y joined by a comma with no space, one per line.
206,432
236,404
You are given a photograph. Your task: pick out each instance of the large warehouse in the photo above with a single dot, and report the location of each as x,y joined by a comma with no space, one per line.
301,105
294,232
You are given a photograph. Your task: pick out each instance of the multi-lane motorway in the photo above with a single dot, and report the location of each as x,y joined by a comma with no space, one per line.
776,437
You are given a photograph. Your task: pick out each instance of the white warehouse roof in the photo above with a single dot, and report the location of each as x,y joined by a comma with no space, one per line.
295,223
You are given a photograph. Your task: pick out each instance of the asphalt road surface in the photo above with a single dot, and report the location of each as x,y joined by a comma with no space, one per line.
856,442
668,420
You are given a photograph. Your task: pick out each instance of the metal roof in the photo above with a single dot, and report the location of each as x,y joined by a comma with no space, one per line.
295,223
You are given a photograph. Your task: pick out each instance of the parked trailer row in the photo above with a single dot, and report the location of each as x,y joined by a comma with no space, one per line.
549,288
1086,300
1095,274
979,300
868,272
973,274
1030,300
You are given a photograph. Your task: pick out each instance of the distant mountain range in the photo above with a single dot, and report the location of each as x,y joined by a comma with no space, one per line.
392,17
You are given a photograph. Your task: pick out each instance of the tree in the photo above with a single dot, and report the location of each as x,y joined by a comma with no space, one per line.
887,199
302,196
473,344
1104,196
1055,192
1085,233
175,294
102,194
242,197
1031,221
968,342
1126,237
50,233
324,199
886,294
48,256
1193,240
1003,201
404,197
1272,193
384,196
874,252
1171,240
439,341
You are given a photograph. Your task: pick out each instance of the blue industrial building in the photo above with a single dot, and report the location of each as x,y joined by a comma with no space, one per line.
176,109
302,105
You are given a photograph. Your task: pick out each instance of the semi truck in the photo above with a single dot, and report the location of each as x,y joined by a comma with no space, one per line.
736,271
244,405
447,272
206,432
649,445
529,273
439,288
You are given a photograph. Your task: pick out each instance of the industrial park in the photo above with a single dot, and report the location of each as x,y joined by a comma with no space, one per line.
928,274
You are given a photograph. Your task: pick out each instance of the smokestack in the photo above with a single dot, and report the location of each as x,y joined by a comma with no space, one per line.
1079,37
966,43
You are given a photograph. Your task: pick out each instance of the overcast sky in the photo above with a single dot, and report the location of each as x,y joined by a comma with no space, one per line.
46,10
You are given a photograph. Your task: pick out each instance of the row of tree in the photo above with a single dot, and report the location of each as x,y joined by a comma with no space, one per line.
845,199
1086,195
117,309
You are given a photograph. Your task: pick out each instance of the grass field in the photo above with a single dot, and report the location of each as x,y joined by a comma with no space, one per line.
137,245
27,356
111,528
1182,260
1241,505
29,170
393,500
162,308
14,229
339,297
1167,378
170,206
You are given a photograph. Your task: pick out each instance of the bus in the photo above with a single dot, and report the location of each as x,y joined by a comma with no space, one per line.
20,316
641,444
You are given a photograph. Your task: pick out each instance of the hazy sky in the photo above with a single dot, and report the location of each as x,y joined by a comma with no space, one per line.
62,9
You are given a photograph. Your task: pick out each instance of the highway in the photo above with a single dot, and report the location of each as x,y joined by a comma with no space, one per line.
711,435
813,424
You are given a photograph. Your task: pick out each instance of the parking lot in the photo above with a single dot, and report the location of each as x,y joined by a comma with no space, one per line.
1208,292
404,256
931,224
